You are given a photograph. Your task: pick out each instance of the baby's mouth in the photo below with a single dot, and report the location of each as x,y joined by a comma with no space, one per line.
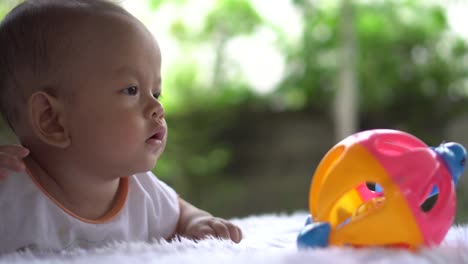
156,138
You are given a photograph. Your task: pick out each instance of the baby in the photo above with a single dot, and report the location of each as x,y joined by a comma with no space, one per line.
80,83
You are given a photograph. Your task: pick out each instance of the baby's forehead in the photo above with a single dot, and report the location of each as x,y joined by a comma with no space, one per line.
80,22
56,37
111,45
58,19
60,31
102,33
75,32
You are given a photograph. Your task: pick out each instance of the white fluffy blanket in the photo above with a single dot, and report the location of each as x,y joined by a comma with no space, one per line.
267,239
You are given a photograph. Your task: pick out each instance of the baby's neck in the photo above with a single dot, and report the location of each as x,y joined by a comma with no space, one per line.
76,191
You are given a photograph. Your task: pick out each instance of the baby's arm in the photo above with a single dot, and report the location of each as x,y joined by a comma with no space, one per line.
197,224
11,159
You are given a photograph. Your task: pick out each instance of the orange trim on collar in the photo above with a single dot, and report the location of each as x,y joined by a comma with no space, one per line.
120,199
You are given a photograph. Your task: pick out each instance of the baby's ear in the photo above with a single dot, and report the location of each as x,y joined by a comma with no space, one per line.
46,116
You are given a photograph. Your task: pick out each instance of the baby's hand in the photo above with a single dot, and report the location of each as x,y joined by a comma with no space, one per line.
203,226
11,159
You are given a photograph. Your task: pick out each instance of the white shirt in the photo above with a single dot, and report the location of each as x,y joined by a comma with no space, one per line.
145,209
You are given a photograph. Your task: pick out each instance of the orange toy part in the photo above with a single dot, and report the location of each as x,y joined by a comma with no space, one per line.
354,220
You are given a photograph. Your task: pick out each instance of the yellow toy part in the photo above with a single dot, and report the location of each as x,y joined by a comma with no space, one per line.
355,221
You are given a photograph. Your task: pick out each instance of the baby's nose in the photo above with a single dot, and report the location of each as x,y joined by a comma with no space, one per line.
158,111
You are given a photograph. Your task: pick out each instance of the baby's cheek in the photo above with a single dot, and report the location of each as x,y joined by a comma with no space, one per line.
124,137
108,137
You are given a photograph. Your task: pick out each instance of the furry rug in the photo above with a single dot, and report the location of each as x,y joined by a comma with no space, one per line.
267,239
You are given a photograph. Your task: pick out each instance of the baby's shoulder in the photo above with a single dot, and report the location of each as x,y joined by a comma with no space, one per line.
148,184
144,178
145,181
15,189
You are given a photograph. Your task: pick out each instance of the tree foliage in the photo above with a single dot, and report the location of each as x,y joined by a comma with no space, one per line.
411,70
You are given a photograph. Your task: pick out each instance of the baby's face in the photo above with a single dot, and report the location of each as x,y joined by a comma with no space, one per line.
114,116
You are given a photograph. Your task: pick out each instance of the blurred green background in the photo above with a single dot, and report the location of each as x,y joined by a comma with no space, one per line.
257,91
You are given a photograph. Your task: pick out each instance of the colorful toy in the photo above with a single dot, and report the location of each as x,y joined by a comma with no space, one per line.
405,174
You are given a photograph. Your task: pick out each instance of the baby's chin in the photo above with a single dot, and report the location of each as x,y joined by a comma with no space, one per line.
137,164
146,166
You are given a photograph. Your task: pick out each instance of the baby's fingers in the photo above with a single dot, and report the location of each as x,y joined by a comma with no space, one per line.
220,228
228,230
201,232
235,232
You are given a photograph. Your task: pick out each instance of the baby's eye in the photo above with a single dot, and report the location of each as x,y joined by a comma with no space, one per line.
157,95
132,90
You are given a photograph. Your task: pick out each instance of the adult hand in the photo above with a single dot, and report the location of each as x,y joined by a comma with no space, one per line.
11,159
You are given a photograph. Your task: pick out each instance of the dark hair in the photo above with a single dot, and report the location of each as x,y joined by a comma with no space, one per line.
35,37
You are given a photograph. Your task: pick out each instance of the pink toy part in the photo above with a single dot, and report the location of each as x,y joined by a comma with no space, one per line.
415,169
367,194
